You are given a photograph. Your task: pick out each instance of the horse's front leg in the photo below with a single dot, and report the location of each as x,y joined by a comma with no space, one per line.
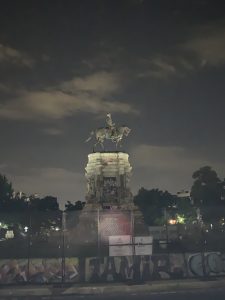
118,143
96,144
102,144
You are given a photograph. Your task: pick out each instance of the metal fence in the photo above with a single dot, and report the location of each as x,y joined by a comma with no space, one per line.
51,247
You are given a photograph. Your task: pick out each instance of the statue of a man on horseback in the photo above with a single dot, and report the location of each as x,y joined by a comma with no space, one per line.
110,126
110,132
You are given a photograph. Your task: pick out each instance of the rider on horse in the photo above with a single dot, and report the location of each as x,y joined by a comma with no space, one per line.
110,125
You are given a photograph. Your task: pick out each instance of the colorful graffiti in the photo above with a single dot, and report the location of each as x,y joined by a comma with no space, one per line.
214,264
38,270
161,266
116,269
13,271
136,268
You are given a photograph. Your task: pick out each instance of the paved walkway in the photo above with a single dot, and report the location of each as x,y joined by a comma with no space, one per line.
109,288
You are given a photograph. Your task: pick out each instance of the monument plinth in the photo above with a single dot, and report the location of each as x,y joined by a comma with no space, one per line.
109,202
108,175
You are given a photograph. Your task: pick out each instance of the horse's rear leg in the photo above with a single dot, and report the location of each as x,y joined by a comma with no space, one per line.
102,145
99,141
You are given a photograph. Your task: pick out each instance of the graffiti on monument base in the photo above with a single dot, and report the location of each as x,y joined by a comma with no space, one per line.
214,264
38,270
13,270
161,266
126,268
137,268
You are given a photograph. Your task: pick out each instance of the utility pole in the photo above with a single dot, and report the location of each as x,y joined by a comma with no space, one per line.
63,244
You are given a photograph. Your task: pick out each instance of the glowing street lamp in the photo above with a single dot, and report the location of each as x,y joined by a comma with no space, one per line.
9,234
172,222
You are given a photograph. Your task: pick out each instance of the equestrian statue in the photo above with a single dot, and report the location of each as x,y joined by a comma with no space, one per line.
110,132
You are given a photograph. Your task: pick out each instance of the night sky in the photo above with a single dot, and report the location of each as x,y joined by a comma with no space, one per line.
157,66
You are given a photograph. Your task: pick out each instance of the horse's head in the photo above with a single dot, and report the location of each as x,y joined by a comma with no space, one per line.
126,130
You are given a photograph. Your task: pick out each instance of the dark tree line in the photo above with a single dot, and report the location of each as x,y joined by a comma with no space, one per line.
208,188
38,214
152,204
78,205
207,194
11,202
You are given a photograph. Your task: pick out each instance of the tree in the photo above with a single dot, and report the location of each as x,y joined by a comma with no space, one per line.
73,212
223,190
184,210
208,194
77,206
44,214
206,189
153,204
18,210
6,190
49,203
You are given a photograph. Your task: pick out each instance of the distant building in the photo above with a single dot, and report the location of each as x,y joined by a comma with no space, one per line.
20,195
183,194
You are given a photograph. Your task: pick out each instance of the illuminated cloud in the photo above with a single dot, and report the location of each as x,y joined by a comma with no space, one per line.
205,45
209,45
159,67
99,83
14,56
87,94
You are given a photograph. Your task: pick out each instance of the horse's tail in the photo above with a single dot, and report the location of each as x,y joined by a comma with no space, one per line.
90,137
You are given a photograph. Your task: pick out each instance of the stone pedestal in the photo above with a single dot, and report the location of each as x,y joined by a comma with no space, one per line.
108,176
109,209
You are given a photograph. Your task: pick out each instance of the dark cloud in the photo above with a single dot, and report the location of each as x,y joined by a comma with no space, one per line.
14,56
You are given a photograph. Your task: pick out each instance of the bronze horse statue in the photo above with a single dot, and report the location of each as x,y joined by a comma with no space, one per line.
115,134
